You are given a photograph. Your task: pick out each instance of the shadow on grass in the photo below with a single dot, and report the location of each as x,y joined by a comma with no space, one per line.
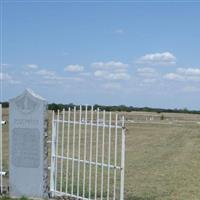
130,197
9,198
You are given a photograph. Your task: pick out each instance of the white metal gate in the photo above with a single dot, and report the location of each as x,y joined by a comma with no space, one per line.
87,154
1,149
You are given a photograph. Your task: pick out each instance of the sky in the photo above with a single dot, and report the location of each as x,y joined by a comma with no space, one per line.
135,53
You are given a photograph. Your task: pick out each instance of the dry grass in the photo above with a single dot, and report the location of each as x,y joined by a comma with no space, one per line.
162,156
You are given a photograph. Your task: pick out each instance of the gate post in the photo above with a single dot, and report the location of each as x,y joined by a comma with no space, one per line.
122,160
53,158
1,170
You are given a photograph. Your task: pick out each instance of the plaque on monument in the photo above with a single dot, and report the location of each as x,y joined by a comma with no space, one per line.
28,167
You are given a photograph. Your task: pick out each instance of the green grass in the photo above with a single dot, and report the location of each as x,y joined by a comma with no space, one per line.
162,156
162,162
8,198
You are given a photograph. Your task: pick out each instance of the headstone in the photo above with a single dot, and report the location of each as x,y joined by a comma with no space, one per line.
28,168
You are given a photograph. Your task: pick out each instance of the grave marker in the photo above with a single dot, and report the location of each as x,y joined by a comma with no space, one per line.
28,169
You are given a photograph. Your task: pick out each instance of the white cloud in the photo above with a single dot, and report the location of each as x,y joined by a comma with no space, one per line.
147,72
27,73
189,71
193,78
4,65
53,77
14,82
45,72
50,75
74,68
8,78
119,31
111,70
120,70
118,76
190,88
55,80
32,66
184,74
100,73
111,76
110,65
165,58
112,86
173,76
5,76
86,74
149,80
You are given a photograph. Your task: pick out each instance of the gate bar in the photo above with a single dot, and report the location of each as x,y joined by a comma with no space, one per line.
109,148
102,160
57,135
91,140
88,162
93,124
62,152
115,162
68,138
79,147
73,149
97,146
85,143
1,149
53,150
122,160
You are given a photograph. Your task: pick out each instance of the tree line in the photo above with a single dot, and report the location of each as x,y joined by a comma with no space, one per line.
119,108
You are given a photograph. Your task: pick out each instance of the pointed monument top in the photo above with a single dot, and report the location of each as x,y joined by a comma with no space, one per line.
28,101
29,92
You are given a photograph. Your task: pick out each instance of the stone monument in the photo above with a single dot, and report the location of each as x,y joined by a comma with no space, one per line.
28,168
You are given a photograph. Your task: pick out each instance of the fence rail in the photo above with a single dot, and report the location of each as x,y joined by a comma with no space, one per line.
1,153
87,154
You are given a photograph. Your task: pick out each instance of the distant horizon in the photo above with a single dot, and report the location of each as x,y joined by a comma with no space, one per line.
110,53
117,105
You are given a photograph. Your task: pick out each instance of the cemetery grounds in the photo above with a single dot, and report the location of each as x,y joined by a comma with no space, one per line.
162,155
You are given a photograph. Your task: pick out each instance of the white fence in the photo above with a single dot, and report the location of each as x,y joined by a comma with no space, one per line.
1,168
87,154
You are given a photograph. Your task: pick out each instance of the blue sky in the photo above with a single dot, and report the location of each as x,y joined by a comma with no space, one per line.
116,52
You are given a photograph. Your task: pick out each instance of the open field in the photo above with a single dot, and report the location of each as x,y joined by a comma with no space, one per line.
162,155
